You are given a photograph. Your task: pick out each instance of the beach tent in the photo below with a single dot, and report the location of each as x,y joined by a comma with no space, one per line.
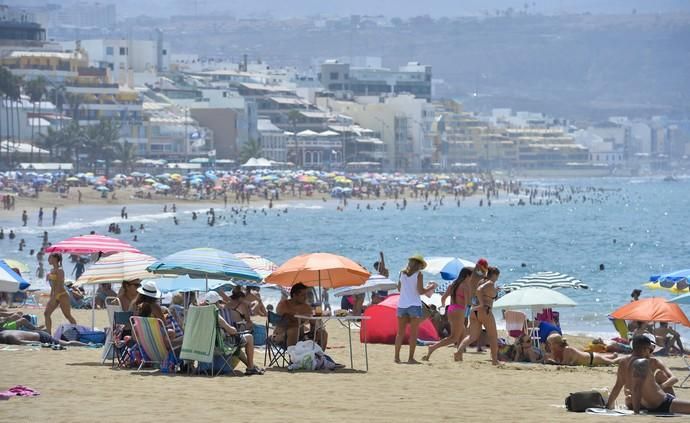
382,326
653,309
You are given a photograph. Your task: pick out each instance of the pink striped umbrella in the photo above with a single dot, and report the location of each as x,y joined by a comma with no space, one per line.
89,244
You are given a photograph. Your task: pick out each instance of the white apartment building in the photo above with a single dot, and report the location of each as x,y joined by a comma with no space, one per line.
273,141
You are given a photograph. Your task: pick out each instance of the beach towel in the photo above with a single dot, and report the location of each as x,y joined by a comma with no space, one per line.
200,334
607,412
18,391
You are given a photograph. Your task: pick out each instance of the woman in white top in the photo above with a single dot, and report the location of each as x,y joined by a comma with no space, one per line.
411,287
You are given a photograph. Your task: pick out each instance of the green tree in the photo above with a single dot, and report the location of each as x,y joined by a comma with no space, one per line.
35,89
294,116
101,139
251,148
51,140
126,153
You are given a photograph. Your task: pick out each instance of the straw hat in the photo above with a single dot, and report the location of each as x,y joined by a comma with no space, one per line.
149,289
419,258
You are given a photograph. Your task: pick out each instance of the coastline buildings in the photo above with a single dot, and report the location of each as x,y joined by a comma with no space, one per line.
346,81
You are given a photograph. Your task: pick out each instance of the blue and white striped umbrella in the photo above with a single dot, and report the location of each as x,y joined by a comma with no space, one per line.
550,280
204,263
10,281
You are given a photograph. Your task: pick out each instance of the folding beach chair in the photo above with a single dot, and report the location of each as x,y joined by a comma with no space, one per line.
112,304
205,341
275,352
516,323
121,330
152,340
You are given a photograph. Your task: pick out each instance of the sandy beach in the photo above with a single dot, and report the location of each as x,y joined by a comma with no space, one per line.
76,387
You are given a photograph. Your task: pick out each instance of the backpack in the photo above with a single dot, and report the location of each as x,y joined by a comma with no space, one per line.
579,402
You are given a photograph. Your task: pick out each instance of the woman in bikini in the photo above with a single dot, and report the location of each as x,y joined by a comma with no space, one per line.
486,295
58,293
238,306
459,293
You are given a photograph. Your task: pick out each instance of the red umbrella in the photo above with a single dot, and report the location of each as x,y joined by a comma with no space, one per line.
652,310
89,244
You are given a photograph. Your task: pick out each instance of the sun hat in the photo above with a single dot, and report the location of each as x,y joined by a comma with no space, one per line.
149,289
213,297
419,258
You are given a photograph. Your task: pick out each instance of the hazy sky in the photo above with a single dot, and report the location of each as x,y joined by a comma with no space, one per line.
401,8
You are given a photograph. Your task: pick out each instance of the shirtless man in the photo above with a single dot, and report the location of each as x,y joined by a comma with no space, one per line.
288,328
647,381
21,337
562,353
481,314
668,338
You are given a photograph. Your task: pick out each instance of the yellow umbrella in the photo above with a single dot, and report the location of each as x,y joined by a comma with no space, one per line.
14,264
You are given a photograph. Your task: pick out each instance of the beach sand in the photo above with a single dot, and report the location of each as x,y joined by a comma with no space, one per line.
76,387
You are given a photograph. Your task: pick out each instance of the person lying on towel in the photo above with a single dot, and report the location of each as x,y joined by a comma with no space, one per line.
562,353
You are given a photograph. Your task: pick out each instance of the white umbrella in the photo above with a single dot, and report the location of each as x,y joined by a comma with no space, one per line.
374,283
533,299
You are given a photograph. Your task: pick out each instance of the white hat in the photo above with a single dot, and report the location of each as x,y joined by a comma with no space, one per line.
213,297
149,289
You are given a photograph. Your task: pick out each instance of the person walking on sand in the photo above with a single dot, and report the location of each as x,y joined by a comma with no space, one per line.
54,215
25,218
481,314
411,287
459,294
58,293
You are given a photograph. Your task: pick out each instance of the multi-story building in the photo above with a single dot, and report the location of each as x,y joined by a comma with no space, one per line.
55,66
404,123
18,31
274,141
126,57
346,81
311,149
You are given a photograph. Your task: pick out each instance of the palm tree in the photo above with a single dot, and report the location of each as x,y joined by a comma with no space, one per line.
36,89
295,116
101,140
52,140
251,148
126,153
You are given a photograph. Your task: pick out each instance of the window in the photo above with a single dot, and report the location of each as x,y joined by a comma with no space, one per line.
109,51
334,75
123,51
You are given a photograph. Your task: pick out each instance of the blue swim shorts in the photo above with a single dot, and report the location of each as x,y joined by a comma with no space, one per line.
412,311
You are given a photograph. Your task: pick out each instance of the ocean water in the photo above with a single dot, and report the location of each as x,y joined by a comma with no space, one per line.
638,227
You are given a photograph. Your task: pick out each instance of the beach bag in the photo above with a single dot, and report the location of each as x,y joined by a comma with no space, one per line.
579,402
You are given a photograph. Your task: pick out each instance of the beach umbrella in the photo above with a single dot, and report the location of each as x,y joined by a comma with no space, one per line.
16,264
186,284
10,281
322,270
90,244
550,280
653,309
533,299
117,268
204,263
260,265
102,188
675,281
448,267
374,283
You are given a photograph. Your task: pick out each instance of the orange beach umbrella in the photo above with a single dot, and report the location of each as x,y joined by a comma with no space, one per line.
319,270
652,310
